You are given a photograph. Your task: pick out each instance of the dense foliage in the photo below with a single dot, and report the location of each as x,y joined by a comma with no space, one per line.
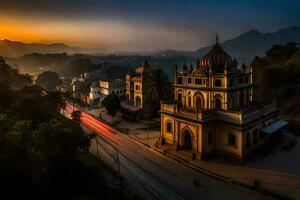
48,80
11,77
277,77
42,152
111,104
157,87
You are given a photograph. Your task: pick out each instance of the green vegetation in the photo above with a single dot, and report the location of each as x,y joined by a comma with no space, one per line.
277,77
42,154
48,80
111,104
11,77
157,87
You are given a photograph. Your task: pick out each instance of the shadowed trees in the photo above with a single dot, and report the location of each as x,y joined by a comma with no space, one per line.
49,80
11,77
36,142
157,87
112,104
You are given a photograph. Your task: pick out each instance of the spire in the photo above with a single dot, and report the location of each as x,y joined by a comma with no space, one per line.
192,67
217,38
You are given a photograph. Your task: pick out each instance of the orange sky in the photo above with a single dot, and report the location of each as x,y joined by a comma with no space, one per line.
101,34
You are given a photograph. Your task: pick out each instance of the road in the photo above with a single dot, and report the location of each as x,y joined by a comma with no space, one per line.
154,176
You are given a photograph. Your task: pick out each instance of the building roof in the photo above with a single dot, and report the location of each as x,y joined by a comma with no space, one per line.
275,126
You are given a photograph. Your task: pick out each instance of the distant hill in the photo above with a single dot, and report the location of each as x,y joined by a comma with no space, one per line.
254,43
15,49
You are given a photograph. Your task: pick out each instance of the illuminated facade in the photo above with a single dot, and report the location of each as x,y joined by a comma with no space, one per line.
213,112
135,106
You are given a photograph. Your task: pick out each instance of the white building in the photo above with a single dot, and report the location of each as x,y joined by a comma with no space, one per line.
116,86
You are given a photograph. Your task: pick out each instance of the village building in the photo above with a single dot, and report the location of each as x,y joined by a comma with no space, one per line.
136,107
213,113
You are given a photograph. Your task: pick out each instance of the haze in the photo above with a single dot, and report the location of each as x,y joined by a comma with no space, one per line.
130,25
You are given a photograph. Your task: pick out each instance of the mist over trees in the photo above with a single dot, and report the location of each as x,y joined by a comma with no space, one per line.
48,80
12,77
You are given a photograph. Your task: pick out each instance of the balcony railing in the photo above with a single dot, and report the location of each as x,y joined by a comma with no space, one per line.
238,117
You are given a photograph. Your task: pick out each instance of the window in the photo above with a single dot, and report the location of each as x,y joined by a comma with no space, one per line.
137,87
248,141
179,80
231,140
255,132
198,81
189,80
169,127
210,137
218,83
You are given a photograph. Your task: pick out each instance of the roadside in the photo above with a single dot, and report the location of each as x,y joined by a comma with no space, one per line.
278,182
282,183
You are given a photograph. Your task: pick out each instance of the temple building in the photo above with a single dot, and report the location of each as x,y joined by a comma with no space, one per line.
213,113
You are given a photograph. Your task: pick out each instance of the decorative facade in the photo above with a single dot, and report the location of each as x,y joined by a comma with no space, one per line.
213,112
135,106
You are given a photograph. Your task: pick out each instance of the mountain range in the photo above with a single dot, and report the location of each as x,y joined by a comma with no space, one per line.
15,49
244,47
254,43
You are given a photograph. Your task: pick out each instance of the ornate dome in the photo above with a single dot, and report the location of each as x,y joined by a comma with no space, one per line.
216,60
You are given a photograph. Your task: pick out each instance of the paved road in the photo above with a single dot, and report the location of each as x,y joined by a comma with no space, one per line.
154,176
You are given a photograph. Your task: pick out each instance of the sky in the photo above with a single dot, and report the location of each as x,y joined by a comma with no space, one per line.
141,25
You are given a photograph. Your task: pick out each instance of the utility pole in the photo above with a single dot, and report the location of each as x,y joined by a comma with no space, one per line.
97,145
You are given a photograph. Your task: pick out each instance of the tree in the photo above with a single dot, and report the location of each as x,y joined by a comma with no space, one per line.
7,97
36,105
76,116
61,139
79,66
11,77
112,104
48,80
157,87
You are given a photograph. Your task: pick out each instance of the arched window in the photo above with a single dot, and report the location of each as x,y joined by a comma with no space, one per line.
179,98
189,99
218,83
198,103
169,127
218,103
186,139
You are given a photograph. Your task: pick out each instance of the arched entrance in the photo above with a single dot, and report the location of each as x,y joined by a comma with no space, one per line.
138,101
186,139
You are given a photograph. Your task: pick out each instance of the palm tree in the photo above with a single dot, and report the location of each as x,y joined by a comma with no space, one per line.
157,87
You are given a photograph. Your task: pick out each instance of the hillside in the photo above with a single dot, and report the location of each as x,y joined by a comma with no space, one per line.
15,49
254,43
